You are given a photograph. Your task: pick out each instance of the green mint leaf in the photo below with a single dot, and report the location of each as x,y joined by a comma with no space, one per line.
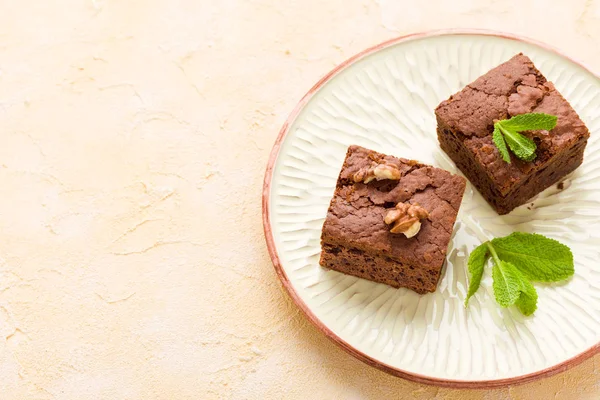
500,144
477,261
530,122
518,259
539,258
527,301
521,146
511,286
507,283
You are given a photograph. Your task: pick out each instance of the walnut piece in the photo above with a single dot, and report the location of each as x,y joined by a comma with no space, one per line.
406,218
377,171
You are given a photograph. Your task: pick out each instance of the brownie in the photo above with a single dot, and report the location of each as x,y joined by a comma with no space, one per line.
465,123
357,241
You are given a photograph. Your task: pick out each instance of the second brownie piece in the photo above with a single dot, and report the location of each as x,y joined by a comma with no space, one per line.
369,221
466,122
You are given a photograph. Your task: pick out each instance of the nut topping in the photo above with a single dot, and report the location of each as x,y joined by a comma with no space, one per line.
406,218
377,171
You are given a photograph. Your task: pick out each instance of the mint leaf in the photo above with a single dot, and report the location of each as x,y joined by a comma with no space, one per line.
477,261
507,283
527,301
519,258
500,144
512,287
539,258
530,122
522,146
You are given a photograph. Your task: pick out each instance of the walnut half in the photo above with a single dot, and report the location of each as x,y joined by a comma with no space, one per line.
406,218
377,171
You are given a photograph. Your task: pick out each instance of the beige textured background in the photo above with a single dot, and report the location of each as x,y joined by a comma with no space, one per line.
134,140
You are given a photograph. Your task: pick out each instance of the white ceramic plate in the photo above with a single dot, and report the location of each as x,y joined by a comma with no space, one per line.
384,99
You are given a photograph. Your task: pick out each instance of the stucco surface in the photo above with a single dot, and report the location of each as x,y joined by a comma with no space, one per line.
135,135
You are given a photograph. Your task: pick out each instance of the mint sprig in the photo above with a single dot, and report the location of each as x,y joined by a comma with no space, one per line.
518,259
506,132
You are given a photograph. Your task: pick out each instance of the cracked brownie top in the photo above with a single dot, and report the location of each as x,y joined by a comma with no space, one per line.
356,213
514,87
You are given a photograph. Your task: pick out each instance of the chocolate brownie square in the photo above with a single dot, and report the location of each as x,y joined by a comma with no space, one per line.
356,238
465,123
